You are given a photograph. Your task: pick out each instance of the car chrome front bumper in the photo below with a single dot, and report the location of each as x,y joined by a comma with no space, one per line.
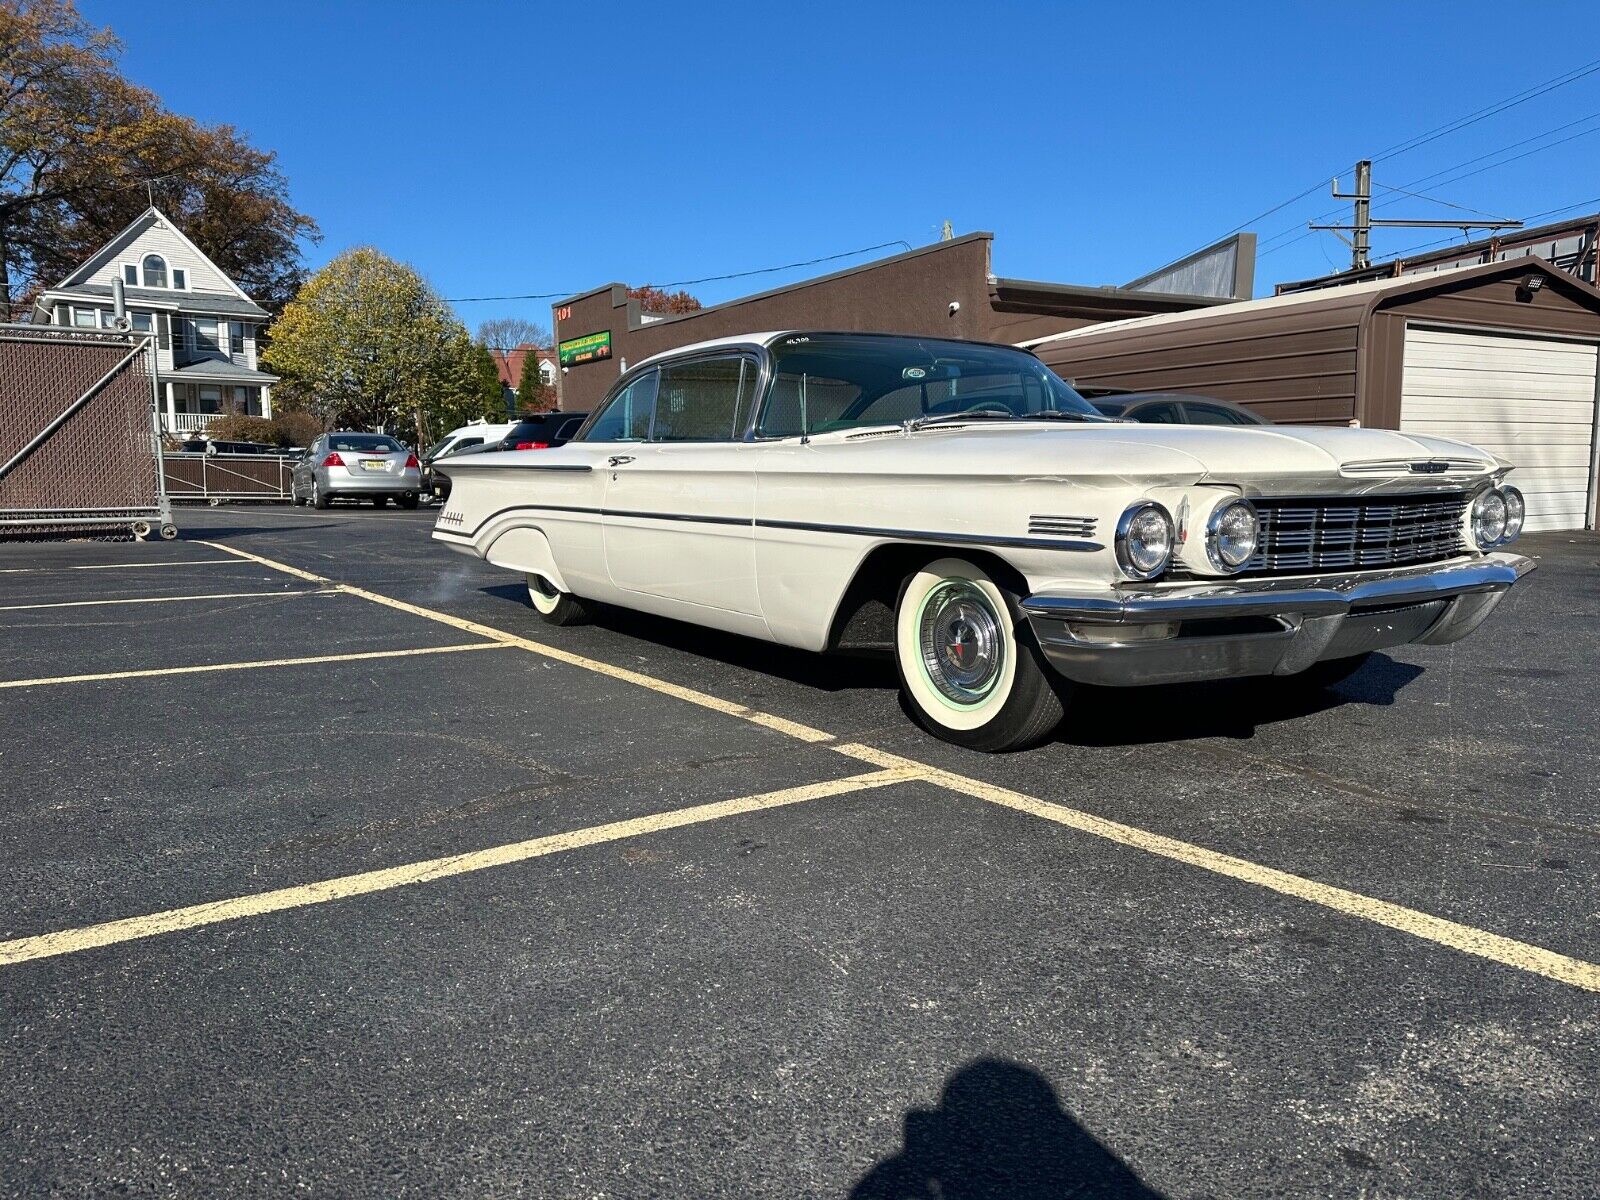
1219,630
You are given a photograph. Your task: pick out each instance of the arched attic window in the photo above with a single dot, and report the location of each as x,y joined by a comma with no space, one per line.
155,271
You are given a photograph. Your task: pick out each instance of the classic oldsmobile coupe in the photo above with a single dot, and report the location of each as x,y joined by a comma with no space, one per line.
958,503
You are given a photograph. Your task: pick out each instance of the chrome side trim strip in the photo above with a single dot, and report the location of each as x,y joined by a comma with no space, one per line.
951,539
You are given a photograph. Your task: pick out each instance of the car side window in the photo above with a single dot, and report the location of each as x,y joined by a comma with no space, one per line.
1157,414
626,416
704,400
1211,414
569,428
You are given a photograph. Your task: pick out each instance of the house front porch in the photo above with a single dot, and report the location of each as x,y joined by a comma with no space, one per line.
194,396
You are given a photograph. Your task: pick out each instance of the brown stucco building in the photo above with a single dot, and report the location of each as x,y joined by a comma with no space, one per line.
1502,355
944,290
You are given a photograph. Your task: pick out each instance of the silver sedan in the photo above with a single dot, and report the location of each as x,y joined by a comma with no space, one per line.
357,466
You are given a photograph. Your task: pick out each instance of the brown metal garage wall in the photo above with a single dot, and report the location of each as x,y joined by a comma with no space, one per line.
1562,306
910,293
1295,364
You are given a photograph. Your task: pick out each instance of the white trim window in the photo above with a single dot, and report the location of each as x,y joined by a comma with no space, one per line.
86,318
180,279
130,274
155,271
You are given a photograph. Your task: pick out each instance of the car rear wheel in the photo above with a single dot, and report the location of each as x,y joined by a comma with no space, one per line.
409,500
554,606
319,498
380,502
970,670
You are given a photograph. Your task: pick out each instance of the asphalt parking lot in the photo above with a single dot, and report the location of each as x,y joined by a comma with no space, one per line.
405,893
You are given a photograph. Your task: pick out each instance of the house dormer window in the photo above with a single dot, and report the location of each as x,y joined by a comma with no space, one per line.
155,271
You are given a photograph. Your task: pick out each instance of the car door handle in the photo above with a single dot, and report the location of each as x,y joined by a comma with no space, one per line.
616,460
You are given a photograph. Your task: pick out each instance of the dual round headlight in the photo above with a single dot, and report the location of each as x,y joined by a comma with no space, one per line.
1497,516
1233,534
1145,540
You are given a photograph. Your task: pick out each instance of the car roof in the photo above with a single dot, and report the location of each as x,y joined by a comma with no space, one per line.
767,338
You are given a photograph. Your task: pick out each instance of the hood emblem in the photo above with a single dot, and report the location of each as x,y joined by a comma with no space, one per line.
1433,467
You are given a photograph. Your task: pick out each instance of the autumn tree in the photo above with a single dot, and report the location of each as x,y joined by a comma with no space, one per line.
654,300
507,333
80,145
534,395
367,343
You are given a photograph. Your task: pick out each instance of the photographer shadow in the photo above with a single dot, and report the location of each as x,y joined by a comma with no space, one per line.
1000,1133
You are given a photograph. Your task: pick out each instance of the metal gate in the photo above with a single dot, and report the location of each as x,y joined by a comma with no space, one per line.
79,442
219,477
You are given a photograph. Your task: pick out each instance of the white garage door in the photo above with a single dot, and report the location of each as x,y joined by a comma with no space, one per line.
1529,400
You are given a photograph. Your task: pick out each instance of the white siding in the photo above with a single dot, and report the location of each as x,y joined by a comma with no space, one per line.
1529,400
161,240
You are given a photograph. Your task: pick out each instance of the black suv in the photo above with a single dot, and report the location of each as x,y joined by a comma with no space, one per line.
534,433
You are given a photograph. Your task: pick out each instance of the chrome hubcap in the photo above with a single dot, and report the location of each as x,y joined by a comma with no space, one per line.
963,649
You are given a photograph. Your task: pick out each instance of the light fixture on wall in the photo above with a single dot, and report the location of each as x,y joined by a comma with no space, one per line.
1529,286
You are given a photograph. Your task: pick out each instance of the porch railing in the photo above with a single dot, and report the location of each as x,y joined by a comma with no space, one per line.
187,422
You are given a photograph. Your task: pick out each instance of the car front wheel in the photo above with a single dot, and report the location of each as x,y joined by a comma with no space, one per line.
554,606
970,670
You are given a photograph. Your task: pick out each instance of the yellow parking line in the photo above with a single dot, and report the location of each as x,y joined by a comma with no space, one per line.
71,941
1465,938
792,729
1506,951
165,599
177,562
245,666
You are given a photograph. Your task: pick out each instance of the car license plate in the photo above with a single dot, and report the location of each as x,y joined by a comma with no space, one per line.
374,464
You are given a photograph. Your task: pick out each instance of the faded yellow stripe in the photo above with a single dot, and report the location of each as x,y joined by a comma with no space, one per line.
1465,938
245,666
89,937
164,599
792,729
1506,951
173,562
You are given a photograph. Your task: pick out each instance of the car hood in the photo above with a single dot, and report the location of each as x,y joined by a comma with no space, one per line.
1260,459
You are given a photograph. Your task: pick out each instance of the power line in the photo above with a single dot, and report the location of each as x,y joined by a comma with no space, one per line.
1422,139
1438,200
1549,212
1483,114
810,262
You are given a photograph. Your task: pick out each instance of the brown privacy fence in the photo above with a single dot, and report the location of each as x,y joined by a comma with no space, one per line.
227,476
78,436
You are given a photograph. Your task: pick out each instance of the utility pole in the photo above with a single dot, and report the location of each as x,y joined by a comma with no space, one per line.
1361,227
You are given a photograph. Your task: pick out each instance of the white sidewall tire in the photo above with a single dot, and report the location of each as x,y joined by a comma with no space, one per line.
543,602
908,648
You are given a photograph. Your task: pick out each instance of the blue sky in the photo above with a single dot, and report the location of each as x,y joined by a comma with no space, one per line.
512,148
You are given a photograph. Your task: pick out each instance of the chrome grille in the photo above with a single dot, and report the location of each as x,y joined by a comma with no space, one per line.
1343,534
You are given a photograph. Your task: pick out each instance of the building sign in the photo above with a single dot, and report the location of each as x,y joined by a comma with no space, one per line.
590,348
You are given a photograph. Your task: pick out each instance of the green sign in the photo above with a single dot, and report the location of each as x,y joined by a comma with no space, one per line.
590,348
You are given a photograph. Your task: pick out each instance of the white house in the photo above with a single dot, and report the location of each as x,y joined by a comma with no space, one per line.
204,325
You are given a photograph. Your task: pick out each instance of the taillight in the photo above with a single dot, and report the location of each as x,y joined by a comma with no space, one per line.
333,460
533,446
411,461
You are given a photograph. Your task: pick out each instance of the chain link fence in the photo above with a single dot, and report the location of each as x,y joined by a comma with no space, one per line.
79,443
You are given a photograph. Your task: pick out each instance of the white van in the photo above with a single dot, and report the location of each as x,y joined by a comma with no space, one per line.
474,433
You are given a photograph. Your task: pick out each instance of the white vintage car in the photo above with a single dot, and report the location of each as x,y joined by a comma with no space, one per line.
959,504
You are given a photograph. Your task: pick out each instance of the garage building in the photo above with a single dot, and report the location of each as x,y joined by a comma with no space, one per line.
1502,355
943,290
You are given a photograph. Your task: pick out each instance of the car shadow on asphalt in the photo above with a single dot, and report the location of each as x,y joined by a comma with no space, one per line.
1000,1133
1096,716
211,533
1232,708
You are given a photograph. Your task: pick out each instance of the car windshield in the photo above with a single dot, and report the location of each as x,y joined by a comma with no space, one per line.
433,450
827,382
1111,408
371,443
